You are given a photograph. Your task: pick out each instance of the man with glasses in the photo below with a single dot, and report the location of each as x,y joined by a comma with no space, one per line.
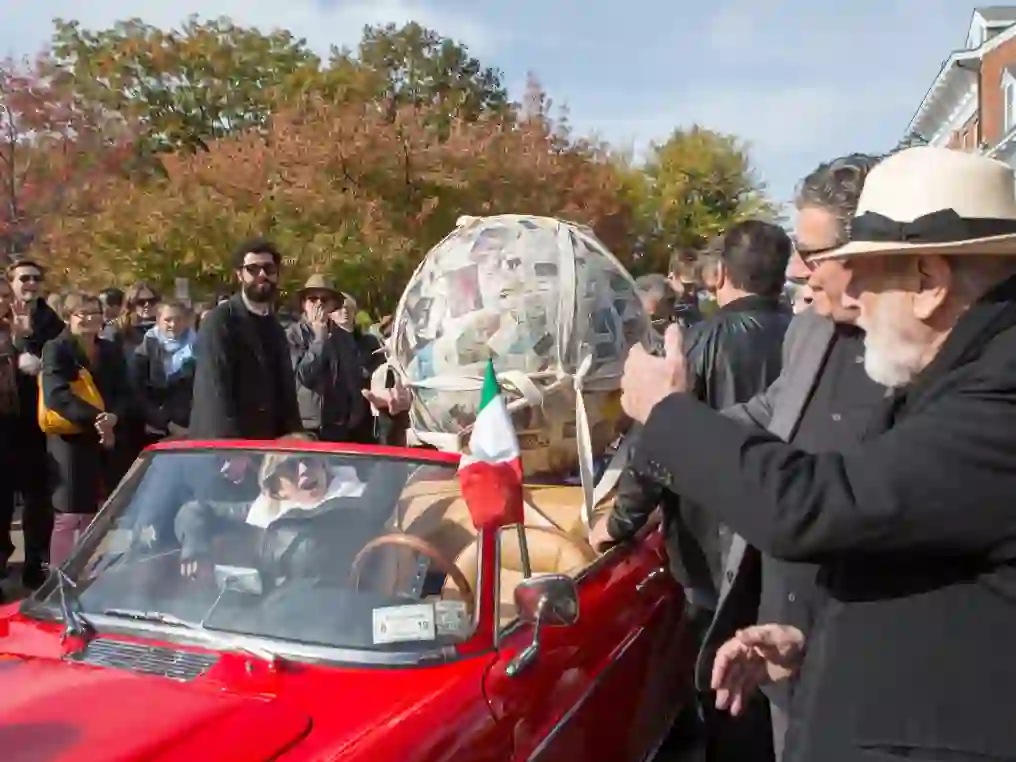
32,324
823,401
243,385
325,363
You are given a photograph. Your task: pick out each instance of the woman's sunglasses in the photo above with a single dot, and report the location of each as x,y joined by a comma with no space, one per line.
291,468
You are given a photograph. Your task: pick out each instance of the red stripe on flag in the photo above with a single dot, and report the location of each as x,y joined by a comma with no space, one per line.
493,493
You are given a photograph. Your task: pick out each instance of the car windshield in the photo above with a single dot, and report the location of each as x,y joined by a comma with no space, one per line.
350,551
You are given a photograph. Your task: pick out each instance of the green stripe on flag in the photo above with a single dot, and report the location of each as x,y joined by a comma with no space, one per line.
491,388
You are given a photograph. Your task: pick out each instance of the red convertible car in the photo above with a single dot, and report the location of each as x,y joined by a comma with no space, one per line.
295,601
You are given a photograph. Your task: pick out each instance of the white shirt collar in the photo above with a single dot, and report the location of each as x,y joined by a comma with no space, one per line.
266,510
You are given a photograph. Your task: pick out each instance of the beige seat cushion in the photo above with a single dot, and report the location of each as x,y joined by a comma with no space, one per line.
551,551
435,510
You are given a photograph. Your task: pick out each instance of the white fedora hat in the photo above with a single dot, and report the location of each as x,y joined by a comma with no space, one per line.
934,201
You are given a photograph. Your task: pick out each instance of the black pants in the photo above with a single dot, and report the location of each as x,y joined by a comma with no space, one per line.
25,470
745,738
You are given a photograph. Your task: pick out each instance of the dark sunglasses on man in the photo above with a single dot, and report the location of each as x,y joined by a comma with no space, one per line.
269,269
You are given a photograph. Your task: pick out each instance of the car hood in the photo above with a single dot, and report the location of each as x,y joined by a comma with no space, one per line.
52,711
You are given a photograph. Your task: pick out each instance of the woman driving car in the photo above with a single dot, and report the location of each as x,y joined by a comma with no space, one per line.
307,522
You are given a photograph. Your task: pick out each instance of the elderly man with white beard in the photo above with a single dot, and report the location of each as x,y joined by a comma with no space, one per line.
915,528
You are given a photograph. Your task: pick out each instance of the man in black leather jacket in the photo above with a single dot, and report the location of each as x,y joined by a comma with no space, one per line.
732,355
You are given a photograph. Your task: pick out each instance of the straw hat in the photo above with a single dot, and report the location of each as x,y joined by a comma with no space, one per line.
934,201
318,282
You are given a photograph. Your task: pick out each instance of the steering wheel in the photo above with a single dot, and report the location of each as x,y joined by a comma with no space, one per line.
420,545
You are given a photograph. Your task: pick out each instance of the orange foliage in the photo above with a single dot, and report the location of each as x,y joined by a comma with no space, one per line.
53,153
343,188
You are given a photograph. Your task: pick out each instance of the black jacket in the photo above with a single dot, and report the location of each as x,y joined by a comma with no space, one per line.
731,357
162,400
84,470
331,374
315,544
736,352
62,360
46,325
916,535
243,386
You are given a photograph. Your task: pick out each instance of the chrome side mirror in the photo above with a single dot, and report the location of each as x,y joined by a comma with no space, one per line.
551,600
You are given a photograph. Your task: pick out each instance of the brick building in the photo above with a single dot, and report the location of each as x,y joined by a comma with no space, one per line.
971,105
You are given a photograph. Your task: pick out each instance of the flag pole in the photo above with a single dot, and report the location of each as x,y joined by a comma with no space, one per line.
527,567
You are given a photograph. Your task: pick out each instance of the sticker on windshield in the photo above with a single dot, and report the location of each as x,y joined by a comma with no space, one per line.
400,624
451,618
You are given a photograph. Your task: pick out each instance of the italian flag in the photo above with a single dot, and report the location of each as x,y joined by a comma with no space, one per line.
490,474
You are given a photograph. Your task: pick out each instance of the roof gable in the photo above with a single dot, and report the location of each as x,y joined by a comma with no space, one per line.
997,15
988,21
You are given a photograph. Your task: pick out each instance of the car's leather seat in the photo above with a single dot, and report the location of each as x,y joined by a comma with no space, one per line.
551,551
434,510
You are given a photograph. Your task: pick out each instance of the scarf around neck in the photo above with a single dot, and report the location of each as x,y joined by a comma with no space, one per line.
175,351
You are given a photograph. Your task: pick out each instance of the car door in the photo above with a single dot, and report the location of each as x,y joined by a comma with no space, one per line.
669,689
590,690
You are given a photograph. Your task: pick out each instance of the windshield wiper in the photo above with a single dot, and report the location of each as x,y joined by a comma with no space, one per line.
76,624
220,639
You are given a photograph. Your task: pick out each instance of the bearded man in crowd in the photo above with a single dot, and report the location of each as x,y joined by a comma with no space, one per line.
914,527
243,385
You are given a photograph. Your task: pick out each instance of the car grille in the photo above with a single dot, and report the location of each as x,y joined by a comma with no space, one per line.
148,660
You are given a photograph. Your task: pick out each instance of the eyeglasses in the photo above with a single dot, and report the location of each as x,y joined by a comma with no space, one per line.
805,253
268,269
30,278
150,301
87,314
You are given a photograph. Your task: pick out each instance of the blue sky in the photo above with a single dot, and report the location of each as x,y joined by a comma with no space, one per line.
802,81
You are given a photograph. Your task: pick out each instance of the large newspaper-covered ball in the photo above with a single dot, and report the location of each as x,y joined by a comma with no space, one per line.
554,310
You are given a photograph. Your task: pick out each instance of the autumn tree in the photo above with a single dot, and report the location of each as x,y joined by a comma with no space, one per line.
54,152
690,188
413,65
357,165
344,189
184,87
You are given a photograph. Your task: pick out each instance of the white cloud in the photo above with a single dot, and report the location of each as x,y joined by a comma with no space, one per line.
28,25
